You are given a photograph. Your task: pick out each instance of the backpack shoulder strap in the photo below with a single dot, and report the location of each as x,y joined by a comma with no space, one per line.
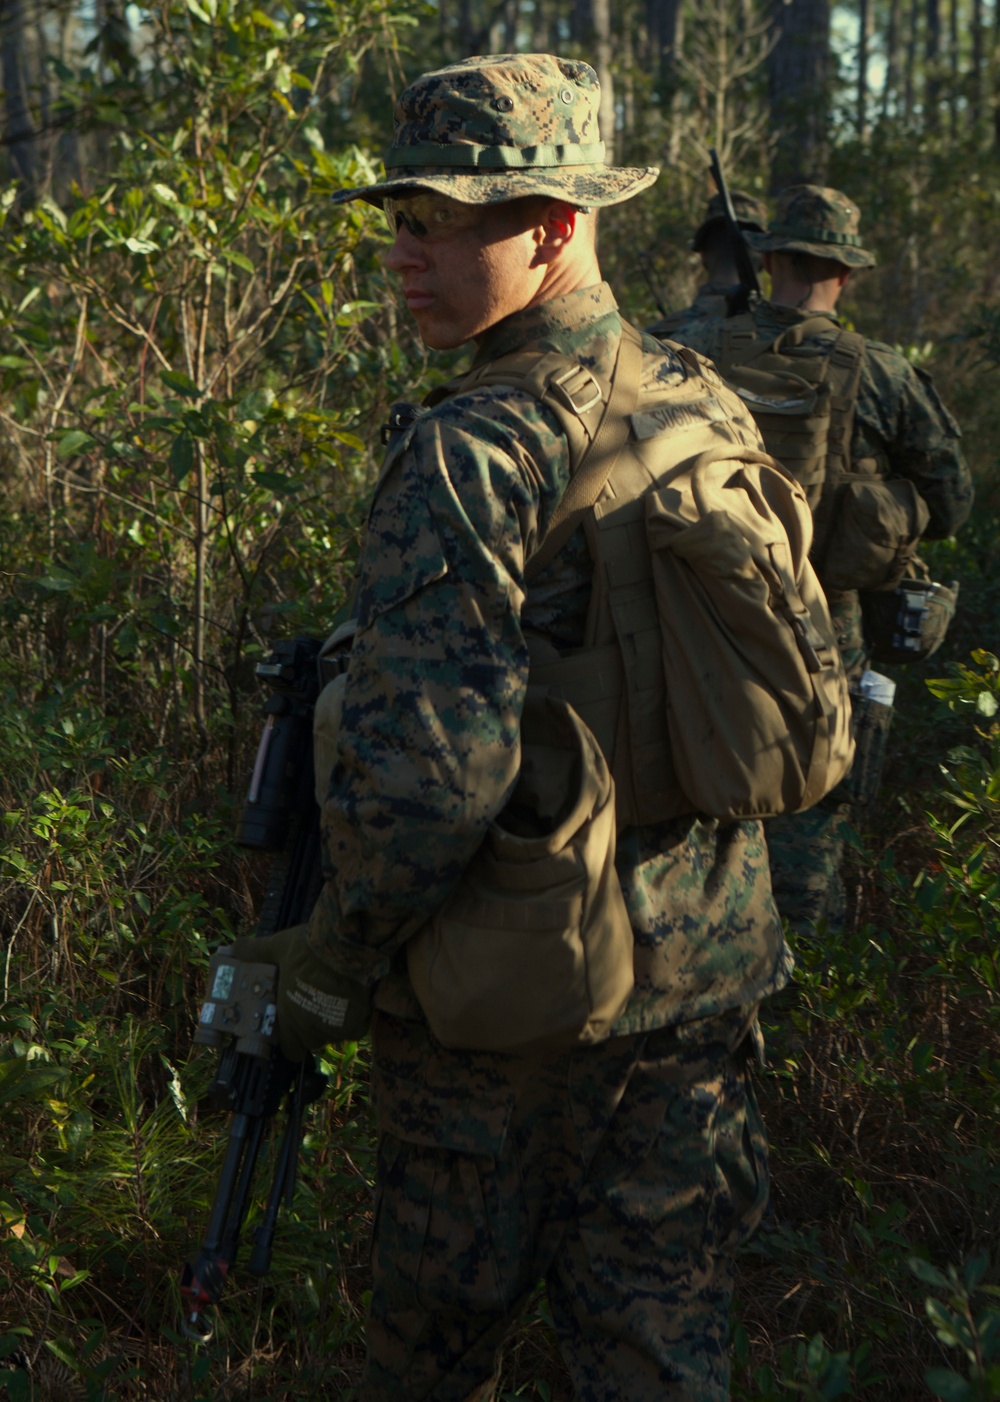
575,393
593,413
596,465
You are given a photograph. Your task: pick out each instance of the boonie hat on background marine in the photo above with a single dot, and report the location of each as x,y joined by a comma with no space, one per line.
815,219
750,212
497,128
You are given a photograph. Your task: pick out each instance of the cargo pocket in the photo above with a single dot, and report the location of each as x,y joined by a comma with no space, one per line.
741,1166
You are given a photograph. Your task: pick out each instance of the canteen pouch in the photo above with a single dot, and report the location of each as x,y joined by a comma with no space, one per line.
871,717
533,948
908,623
876,525
326,727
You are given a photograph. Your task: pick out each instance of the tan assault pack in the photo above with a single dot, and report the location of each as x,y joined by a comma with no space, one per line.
709,674
866,526
709,682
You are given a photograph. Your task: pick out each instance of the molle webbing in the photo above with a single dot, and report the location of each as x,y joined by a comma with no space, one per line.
803,402
831,377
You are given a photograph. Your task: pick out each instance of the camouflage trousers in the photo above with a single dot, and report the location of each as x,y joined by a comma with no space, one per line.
806,851
849,630
624,1176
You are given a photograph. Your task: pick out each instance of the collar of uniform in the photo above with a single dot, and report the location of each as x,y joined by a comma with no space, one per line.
791,316
544,327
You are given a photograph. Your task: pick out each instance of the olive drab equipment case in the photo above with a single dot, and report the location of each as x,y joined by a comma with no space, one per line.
866,526
710,674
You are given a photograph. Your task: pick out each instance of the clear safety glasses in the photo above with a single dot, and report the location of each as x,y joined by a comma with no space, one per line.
430,218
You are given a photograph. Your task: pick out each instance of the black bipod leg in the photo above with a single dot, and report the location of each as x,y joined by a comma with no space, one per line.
241,1194
283,1183
202,1283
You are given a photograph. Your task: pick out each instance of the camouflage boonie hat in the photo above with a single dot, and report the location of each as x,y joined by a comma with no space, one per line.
750,212
501,127
814,219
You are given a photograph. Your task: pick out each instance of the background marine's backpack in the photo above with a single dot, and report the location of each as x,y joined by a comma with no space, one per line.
866,526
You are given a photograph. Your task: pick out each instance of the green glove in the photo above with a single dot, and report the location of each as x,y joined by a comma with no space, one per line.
316,1005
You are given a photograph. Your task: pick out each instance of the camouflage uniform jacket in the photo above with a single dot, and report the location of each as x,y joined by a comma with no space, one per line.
428,751
899,421
710,300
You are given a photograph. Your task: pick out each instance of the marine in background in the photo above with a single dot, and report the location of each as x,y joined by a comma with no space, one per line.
887,424
712,243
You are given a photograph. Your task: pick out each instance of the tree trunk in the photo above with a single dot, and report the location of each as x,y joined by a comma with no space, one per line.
591,26
663,21
627,86
953,57
910,94
539,28
864,37
976,68
932,56
891,81
799,74
21,140
511,19
466,29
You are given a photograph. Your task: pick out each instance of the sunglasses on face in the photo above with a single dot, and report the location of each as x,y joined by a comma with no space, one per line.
430,218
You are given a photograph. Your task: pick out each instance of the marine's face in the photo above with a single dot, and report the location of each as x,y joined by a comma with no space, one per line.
462,267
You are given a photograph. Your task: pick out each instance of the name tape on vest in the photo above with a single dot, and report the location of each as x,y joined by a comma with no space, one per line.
666,417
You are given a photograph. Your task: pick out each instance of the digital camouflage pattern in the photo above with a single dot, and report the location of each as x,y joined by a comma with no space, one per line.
624,1176
428,750
710,300
498,128
815,219
627,1172
806,853
900,424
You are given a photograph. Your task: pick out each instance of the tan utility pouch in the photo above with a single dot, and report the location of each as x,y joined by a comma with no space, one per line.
876,527
533,948
334,656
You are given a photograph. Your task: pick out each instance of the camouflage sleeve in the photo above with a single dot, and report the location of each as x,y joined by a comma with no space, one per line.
702,335
900,410
428,747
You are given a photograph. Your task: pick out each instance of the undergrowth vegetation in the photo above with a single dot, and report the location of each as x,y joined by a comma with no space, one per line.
195,355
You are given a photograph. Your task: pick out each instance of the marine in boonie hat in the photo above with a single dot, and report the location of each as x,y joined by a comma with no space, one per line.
497,128
817,220
751,214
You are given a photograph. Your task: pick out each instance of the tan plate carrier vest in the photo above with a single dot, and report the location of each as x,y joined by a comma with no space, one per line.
619,456
803,404
866,525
